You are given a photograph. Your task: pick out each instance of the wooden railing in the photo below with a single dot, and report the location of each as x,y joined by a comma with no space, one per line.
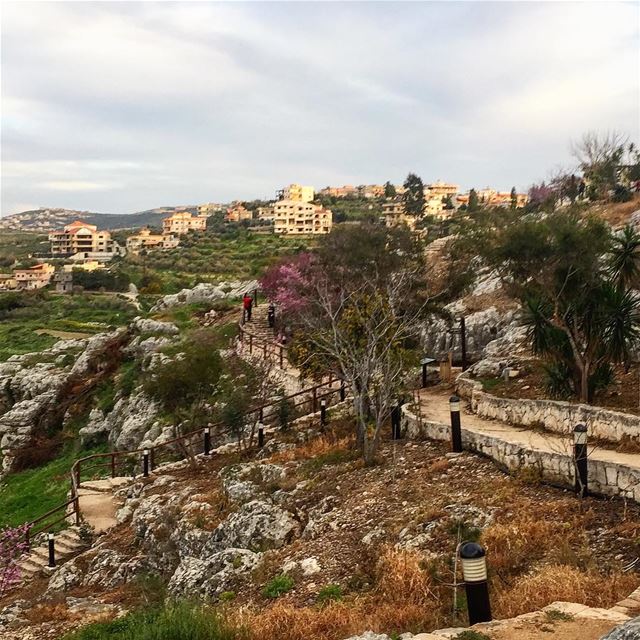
126,463
268,348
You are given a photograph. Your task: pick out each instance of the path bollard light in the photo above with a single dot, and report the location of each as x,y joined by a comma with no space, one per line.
145,463
474,570
456,432
207,441
260,436
395,419
323,413
52,551
580,459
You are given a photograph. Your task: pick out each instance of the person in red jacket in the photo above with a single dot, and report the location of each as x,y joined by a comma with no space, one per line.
247,305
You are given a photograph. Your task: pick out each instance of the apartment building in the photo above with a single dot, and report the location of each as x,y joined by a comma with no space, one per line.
492,198
441,189
339,192
80,237
183,222
296,192
208,208
394,214
237,213
144,239
35,277
293,217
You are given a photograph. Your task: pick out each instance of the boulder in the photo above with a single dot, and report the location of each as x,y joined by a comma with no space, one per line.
154,327
257,525
212,575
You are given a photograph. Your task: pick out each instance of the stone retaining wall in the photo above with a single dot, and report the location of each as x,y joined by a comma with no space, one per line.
605,478
553,415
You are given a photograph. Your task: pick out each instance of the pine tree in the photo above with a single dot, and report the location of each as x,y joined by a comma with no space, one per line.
514,198
474,205
389,190
413,197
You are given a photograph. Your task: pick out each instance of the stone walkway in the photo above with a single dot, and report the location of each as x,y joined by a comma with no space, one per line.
435,407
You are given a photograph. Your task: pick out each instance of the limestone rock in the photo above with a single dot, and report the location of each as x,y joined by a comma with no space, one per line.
257,525
205,292
212,575
147,325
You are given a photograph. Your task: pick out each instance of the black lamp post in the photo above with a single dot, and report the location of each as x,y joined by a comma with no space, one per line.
473,558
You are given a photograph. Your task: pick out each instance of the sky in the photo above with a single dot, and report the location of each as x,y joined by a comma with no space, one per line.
119,107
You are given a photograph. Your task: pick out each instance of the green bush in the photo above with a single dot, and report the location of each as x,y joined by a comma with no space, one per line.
278,586
330,593
175,621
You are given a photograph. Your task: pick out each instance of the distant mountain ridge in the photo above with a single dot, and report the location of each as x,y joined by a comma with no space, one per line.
49,219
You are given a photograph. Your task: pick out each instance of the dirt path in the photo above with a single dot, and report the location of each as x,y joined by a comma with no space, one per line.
435,408
97,503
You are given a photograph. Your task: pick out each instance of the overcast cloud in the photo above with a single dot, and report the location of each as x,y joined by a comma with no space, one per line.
119,107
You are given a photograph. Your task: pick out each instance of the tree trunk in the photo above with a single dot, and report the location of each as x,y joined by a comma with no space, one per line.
584,384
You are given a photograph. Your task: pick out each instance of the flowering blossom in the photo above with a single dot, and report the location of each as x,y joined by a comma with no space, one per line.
13,545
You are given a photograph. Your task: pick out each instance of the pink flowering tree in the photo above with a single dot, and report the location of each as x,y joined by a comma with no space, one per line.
13,546
287,283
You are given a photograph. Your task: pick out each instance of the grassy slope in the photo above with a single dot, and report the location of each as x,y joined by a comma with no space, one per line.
19,244
209,257
28,494
85,313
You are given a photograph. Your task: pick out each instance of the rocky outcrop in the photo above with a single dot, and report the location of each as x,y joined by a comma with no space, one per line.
131,423
628,631
206,292
258,524
482,328
212,575
154,327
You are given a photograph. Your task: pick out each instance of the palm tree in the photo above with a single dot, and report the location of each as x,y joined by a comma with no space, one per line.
624,258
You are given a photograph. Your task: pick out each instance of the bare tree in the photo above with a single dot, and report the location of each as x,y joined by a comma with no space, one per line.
594,149
363,332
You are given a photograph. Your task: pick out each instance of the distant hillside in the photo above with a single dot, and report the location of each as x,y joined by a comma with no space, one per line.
48,219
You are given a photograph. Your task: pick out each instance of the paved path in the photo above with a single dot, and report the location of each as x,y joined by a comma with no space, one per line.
435,407
97,503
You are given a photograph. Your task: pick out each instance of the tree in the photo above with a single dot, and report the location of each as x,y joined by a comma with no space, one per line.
580,314
413,197
184,383
473,205
389,190
363,301
599,156
514,198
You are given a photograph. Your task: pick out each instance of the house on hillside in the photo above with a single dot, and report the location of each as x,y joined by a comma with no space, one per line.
144,239
296,192
294,217
35,277
80,237
183,222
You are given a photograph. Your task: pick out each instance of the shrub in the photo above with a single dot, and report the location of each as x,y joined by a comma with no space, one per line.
278,586
332,592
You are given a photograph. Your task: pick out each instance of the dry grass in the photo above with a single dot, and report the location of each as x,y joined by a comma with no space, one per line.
402,598
320,446
515,546
555,582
